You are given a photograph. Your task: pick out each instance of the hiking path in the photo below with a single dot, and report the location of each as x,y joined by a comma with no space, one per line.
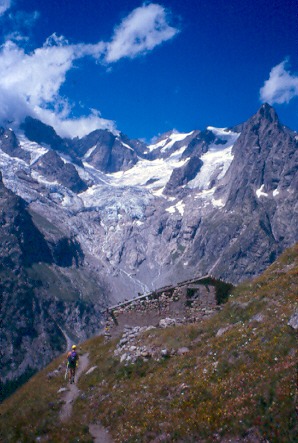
73,392
98,432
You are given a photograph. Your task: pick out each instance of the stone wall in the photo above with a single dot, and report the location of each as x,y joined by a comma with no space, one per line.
190,301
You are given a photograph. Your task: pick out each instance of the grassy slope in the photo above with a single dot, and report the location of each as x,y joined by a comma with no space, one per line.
239,383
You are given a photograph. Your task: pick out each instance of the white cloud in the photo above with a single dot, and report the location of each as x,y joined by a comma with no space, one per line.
75,127
145,28
40,74
4,6
30,83
281,86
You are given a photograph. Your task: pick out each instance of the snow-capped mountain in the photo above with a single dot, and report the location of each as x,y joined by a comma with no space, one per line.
166,186
132,217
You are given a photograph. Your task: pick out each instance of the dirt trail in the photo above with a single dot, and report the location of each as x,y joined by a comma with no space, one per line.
70,396
98,432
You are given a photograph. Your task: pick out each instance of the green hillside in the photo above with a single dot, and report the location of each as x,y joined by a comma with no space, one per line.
237,382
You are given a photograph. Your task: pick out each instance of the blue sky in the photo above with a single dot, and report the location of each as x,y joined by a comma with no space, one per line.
144,67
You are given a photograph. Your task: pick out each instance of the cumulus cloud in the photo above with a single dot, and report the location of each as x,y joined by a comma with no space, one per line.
30,83
34,80
281,86
145,28
75,127
4,6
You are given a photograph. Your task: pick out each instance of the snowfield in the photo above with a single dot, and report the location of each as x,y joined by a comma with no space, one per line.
130,190
216,161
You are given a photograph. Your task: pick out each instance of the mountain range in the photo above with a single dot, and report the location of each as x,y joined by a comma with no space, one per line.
88,222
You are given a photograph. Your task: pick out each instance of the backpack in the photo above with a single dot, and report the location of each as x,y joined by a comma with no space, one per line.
72,358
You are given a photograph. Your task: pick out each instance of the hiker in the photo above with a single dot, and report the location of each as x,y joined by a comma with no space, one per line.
72,363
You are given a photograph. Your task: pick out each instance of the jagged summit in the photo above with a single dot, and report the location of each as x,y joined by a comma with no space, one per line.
265,118
267,111
39,132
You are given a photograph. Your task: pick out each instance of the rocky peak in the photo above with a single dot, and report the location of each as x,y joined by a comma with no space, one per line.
265,156
261,126
51,166
95,138
266,112
9,144
40,133
199,143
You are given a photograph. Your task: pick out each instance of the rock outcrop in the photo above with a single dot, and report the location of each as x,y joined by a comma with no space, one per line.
44,298
52,167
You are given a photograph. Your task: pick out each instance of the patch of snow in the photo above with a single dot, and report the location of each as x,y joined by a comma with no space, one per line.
127,146
218,203
35,149
152,175
260,193
71,200
158,192
206,198
275,192
221,132
205,194
167,143
171,209
216,161
42,179
89,152
65,158
178,207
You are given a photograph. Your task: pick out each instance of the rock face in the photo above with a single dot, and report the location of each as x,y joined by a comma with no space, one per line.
36,315
181,176
265,158
92,221
37,131
9,144
51,166
106,151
